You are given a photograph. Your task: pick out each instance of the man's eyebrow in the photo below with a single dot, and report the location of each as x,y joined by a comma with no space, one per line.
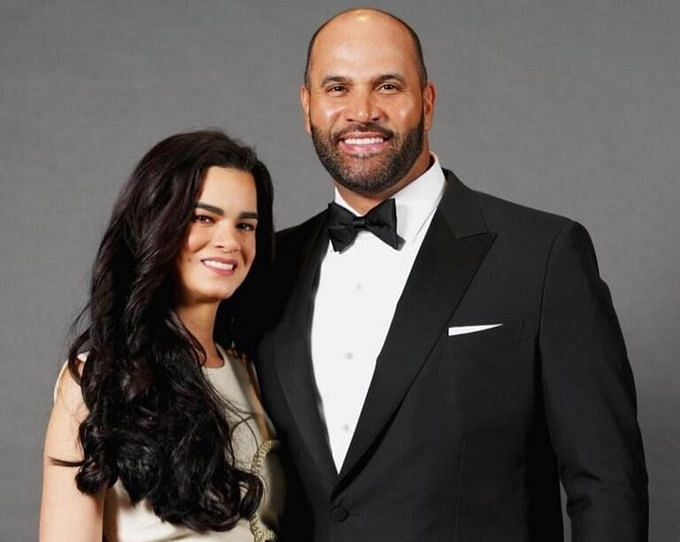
390,77
248,214
210,208
340,79
334,79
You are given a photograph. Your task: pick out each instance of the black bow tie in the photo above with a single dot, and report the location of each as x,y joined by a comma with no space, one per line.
381,221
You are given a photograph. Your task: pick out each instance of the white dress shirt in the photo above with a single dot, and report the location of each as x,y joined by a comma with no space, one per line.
355,302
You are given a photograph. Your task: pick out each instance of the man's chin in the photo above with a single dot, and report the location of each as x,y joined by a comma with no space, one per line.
363,166
366,184
362,156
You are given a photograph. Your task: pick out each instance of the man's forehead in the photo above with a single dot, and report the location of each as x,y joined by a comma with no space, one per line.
343,37
362,25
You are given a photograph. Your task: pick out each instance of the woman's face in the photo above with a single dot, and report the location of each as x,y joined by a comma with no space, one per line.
219,245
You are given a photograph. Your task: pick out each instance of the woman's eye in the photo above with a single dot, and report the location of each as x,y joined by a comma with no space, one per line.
202,219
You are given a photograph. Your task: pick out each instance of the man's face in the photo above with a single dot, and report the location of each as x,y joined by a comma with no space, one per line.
364,106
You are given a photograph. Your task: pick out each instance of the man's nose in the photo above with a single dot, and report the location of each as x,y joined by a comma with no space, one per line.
362,107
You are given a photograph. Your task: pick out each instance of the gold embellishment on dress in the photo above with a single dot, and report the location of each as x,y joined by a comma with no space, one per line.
259,531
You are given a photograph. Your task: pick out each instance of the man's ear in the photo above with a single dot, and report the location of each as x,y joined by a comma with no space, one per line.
304,100
429,99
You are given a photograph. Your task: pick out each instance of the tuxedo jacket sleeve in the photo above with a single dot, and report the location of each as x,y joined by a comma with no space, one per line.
589,396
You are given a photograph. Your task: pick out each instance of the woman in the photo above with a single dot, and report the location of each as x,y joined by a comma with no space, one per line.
157,432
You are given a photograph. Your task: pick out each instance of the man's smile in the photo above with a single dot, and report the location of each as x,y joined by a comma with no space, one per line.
363,143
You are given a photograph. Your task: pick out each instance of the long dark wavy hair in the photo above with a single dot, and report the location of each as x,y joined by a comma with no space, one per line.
155,423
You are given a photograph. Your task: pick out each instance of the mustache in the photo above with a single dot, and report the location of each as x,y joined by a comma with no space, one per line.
364,127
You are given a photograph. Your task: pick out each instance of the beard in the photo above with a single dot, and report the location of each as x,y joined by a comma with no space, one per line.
369,176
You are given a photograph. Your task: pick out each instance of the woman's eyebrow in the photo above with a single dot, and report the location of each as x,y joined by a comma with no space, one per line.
210,208
220,212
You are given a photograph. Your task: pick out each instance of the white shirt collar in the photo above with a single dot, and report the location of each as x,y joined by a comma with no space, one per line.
416,202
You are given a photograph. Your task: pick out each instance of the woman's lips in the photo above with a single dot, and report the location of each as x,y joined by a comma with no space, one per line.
220,266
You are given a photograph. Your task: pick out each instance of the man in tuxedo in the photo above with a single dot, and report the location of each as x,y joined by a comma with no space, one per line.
436,379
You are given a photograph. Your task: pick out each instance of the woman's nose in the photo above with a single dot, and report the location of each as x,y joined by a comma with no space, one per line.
226,238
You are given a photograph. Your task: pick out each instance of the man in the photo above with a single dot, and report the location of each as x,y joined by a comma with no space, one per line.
438,381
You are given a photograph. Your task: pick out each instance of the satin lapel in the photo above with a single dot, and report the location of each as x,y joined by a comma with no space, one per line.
449,257
293,357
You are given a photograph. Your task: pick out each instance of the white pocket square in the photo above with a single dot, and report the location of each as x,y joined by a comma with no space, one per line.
463,330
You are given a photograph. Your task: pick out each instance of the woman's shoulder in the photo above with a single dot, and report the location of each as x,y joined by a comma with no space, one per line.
67,392
68,412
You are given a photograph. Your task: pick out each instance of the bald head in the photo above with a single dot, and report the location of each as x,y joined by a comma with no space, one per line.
368,16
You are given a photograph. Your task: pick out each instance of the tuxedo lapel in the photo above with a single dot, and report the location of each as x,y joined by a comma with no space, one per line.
294,363
453,249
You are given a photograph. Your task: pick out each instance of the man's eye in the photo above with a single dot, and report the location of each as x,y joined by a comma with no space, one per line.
335,89
389,87
202,219
247,226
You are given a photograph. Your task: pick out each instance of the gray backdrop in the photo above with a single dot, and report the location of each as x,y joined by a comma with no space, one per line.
571,107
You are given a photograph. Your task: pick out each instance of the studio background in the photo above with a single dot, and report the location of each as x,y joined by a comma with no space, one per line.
571,107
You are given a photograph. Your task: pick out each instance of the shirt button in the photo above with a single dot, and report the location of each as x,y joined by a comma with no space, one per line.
349,355
339,514
345,428
359,287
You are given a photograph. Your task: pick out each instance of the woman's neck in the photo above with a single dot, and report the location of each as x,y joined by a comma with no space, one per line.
199,319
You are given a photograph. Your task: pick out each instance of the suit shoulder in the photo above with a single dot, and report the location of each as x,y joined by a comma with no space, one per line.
500,209
300,233
291,244
537,232
505,215
499,215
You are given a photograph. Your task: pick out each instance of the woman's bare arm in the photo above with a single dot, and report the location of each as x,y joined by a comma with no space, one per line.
66,514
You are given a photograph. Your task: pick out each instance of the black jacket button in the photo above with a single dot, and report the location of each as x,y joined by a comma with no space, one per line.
339,513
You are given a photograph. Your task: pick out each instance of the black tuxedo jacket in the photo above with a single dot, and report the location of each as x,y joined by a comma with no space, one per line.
466,437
